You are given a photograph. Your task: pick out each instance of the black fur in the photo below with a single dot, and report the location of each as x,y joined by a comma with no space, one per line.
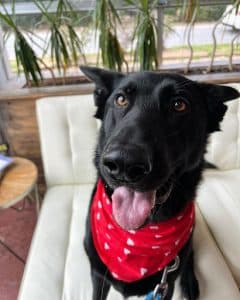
175,143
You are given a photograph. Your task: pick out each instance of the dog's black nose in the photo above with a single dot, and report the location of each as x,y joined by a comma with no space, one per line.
128,163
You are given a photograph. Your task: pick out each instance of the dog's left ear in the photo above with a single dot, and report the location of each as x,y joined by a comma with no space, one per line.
216,95
105,82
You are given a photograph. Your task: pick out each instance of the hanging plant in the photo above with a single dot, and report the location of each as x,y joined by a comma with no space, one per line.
106,19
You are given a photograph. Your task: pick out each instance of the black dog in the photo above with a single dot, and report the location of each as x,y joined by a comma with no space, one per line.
151,149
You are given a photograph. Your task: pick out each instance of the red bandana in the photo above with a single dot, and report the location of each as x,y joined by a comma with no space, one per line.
135,254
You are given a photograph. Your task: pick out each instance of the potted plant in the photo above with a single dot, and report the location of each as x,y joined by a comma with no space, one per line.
64,42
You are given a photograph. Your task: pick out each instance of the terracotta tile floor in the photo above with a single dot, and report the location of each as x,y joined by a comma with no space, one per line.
16,229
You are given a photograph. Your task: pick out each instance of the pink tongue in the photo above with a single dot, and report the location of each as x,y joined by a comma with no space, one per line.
131,208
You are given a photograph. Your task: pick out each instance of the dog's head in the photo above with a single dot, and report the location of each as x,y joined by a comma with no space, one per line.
154,128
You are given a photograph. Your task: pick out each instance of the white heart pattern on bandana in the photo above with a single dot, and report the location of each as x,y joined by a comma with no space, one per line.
126,251
143,271
130,242
106,246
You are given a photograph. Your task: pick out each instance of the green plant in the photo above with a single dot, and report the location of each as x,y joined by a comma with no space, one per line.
145,35
65,45
25,56
105,19
237,4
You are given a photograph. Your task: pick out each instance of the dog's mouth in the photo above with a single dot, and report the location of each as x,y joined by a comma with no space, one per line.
132,208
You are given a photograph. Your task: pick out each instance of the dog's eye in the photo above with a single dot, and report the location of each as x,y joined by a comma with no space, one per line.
121,101
179,105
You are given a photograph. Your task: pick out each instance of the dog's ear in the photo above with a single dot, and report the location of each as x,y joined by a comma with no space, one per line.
216,95
105,82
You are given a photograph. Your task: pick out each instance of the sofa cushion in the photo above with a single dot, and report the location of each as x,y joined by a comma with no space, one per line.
57,266
218,198
68,137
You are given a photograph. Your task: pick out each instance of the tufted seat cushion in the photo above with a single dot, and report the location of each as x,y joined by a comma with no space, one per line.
68,136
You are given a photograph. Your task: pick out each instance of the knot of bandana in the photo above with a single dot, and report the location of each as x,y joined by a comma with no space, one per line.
135,254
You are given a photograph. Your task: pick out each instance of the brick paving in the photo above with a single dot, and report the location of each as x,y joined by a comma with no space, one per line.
16,229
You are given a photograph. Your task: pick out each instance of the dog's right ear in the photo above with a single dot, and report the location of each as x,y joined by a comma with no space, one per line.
216,96
105,81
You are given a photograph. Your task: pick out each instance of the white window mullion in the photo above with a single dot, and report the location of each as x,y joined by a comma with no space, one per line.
5,72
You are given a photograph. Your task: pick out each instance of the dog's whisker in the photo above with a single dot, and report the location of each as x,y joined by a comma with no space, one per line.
178,183
183,84
173,133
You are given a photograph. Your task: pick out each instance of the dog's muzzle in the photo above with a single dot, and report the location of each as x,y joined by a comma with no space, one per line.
126,163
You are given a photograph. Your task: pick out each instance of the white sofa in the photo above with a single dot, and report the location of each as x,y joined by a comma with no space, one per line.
57,267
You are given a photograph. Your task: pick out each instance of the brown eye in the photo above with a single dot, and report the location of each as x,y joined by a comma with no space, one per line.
121,101
179,106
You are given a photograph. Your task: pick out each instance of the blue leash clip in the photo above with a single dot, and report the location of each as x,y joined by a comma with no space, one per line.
150,296
161,289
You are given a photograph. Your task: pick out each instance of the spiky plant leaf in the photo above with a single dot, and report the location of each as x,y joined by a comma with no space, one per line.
25,55
106,19
65,45
146,36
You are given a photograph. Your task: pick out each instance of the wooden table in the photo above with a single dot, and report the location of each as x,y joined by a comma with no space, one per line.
18,182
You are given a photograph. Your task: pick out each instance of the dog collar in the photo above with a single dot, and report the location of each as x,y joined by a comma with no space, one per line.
136,254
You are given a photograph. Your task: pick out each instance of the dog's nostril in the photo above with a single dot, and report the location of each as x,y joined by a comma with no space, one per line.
136,172
129,164
111,166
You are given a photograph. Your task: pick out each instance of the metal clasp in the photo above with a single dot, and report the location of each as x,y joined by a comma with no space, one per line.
162,288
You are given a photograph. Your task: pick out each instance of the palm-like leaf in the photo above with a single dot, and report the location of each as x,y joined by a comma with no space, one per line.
145,35
105,21
64,43
25,55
